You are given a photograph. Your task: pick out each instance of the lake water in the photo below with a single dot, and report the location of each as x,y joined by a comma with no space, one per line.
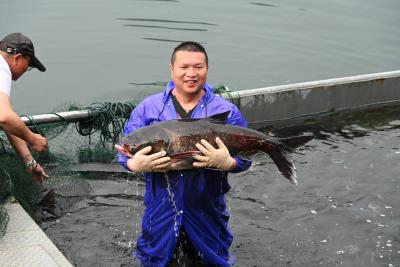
98,50
344,211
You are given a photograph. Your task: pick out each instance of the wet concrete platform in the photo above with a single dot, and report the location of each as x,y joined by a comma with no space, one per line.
25,244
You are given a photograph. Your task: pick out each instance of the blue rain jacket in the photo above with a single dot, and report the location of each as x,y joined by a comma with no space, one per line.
194,199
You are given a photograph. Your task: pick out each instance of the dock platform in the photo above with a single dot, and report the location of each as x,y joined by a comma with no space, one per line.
25,244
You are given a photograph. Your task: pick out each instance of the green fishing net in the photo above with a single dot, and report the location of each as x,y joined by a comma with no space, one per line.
70,144
74,144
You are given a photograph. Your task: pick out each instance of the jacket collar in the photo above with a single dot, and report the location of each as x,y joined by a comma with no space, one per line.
208,96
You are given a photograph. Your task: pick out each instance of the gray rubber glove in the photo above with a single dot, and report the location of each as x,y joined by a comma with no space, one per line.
217,158
143,162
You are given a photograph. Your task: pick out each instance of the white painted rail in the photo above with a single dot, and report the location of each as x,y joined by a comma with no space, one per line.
292,103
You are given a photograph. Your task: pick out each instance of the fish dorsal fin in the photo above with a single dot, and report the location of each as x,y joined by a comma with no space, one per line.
216,118
220,117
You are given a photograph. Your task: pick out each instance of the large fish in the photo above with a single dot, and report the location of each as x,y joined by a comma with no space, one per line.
178,139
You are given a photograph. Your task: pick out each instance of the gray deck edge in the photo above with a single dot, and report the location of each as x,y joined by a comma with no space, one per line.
25,244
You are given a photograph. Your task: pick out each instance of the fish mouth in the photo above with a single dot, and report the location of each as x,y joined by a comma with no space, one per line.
127,148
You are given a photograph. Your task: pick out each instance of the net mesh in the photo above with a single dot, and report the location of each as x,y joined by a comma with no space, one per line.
69,144
92,141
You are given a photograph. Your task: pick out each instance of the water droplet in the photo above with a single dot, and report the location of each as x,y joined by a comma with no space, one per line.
173,204
313,211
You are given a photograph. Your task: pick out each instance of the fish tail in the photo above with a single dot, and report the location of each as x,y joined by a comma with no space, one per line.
296,141
280,154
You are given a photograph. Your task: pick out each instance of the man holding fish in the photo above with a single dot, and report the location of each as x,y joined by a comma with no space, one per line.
195,212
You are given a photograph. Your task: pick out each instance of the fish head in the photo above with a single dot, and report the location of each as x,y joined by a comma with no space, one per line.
133,143
152,135
128,148
132,148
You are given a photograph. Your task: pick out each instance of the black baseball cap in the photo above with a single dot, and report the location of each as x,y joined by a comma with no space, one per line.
17,43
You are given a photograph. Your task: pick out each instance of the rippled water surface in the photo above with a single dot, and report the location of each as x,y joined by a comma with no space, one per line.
344,212
117,50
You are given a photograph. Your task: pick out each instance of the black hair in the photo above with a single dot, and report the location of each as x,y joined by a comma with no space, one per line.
189,46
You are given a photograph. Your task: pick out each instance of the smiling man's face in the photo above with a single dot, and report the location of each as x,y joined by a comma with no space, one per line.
189,72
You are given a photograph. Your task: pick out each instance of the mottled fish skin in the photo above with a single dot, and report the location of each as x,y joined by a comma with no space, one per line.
178,139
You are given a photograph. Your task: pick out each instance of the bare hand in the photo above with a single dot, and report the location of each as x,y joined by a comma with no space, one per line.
39,143
38,173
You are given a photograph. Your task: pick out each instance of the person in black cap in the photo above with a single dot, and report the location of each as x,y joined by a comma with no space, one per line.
17,55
